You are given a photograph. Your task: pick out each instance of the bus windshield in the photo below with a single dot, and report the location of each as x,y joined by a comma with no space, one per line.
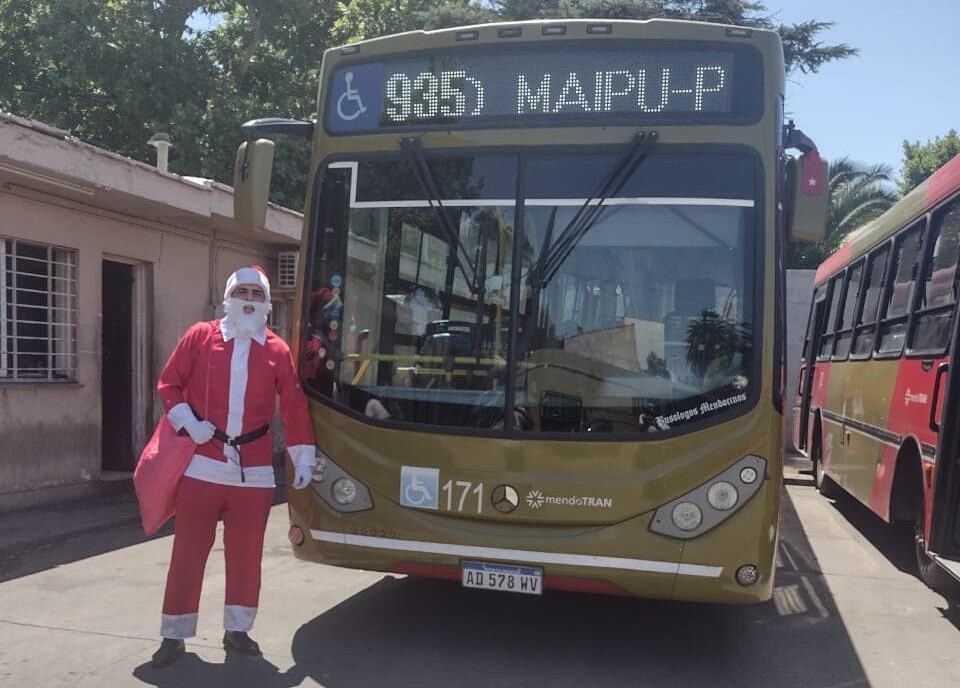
642,321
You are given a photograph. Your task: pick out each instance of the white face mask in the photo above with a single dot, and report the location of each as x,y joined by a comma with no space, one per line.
246,324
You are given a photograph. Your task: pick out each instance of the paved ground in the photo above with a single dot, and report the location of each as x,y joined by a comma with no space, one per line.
847,611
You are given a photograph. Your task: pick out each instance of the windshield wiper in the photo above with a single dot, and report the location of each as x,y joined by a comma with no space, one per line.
553,257
536,284
428,186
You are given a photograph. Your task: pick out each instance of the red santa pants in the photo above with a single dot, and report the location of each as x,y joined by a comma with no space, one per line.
199,506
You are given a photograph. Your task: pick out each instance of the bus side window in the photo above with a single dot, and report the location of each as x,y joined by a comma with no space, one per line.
938,284
867,313
850,300
830,317
893,326
811,322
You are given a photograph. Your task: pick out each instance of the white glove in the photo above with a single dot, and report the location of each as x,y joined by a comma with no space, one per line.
200,431
302,475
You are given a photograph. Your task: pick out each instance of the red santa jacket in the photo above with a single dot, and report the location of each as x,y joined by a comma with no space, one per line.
235,384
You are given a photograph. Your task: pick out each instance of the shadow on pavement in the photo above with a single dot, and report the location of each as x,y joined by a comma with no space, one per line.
895,542
74,548
237,670
118,529
409,632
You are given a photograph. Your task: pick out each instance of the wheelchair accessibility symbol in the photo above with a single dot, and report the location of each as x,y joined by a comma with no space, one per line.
419,487
350,105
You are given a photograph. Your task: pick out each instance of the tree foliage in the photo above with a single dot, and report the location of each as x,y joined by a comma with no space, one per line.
920,160
114,72
858,194
801,47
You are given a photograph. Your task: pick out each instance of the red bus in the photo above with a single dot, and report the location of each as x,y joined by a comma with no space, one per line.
877,405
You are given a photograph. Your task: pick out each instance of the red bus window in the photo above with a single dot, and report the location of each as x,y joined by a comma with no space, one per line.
850,299
893,329
863,335
830,317
938,285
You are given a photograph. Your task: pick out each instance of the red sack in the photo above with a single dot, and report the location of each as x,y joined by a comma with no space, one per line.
158,474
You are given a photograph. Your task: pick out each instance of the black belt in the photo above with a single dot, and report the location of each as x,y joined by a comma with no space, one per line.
245,438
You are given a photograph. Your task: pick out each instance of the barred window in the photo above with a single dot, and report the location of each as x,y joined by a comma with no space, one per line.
38,312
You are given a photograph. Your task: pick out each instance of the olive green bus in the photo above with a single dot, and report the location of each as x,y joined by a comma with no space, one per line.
540,305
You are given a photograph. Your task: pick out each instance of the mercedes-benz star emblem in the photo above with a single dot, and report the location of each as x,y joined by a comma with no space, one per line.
504,498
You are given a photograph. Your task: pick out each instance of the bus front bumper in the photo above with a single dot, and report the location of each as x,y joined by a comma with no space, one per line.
624,558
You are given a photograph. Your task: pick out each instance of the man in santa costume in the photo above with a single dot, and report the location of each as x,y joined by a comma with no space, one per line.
220,386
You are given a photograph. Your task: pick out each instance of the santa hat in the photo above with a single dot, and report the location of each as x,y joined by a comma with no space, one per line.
253,274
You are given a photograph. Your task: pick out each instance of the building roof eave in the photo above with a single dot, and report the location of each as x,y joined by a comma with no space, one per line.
50,160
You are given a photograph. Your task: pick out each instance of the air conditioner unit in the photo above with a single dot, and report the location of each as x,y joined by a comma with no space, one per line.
287,269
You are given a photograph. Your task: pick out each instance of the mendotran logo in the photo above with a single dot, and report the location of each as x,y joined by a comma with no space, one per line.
914,398
536,500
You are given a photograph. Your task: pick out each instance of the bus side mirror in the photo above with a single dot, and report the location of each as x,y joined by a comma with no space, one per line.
251,183
809,192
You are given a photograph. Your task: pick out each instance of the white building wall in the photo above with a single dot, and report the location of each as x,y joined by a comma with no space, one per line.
51,430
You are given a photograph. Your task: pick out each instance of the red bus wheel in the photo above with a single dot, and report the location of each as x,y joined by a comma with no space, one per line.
825,484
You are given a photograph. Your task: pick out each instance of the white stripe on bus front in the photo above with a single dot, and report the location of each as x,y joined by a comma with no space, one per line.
558,202
453,203
353,166
520,555
644,200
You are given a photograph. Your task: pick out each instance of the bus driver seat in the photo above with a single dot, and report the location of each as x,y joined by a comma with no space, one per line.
690,298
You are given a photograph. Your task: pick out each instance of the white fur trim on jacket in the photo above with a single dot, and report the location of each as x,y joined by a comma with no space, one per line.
303,455
180,415
225,473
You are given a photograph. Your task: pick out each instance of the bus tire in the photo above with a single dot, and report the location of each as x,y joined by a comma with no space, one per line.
930,572
826,485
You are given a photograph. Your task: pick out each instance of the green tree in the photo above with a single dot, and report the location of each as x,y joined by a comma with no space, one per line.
858,194
267,57
920,160
801,47
359,20
114,72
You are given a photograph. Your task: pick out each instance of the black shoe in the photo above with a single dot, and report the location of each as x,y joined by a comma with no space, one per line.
170,650
241,642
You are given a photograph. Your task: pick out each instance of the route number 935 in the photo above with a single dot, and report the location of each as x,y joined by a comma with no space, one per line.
427,96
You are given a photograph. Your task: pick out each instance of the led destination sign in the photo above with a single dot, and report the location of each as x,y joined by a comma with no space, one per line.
477,89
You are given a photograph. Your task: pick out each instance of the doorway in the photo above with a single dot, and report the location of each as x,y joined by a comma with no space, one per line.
124,390
807,370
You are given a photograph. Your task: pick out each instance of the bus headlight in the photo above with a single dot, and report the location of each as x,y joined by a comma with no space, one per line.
338,489
686,516
344,491
696,512
722,495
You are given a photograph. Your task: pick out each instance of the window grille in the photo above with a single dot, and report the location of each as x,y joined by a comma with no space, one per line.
287,269
38,312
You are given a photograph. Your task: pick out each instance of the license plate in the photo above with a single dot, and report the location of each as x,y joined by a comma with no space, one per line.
502,577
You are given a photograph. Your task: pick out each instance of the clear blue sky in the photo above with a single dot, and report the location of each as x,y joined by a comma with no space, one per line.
903,85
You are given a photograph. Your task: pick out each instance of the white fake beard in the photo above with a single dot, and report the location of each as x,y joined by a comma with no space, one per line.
246,325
